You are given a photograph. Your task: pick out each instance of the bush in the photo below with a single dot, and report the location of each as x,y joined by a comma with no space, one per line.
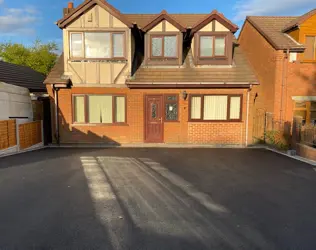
277,139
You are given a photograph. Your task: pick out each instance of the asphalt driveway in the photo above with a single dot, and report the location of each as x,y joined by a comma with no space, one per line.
156,199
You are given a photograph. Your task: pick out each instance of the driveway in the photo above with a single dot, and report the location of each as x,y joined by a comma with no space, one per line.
156,199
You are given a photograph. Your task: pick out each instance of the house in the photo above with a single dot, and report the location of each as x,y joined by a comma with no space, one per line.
282,51
27,78
153,78
15,103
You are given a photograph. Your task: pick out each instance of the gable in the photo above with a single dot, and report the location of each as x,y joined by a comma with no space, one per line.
310,23
214,22
164,26
94,13
214,26
96,17
163,22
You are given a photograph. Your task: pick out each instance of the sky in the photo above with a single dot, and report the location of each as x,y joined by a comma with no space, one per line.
24,21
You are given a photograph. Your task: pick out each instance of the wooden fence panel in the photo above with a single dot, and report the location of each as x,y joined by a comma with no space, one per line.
7,134
30,134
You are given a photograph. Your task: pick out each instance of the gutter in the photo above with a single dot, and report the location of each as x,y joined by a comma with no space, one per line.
284,74
247,115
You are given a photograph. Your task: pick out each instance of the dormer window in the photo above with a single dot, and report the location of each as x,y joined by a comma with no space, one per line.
212,46
164,46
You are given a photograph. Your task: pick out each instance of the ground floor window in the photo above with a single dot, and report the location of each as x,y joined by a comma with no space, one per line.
171,108
306,110
99,109
215,108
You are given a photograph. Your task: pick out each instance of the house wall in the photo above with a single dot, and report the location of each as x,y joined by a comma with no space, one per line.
307,28
276,74
96,72
300,81
264,60
182,131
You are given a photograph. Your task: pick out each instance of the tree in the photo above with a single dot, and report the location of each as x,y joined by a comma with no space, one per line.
40,57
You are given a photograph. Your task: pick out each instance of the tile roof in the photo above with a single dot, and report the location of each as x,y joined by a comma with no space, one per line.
55,75
271,28
299,20
240,72
186,20
22,76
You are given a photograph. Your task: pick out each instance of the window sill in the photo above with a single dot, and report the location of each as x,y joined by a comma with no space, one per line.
97,60
308,61
171,121
99,124
216,121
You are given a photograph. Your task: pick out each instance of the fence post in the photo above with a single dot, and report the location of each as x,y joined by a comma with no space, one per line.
17,131
265,127
42,130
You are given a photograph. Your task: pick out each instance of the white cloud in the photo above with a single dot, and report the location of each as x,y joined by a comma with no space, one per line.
269,7
18,21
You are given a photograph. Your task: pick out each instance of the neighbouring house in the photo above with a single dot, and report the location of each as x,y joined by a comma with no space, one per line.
282,51
15,103
28,78
19,82
156,78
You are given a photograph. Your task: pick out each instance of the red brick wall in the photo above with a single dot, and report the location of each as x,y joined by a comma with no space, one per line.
263,59
181,131
306,151
300,81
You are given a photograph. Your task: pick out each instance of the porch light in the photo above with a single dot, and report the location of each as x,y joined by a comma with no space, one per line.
184,95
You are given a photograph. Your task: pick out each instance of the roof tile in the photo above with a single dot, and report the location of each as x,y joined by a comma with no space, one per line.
271,28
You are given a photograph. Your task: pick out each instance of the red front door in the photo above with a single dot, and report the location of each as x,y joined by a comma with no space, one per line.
153,118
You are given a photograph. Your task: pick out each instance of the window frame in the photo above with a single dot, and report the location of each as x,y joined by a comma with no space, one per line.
308,109
310,60
170,102
86,109
111,45
82,44
228,108
163,35
214,35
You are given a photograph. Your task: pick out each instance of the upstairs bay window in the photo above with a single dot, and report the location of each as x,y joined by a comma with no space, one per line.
164,46
97,45
212,46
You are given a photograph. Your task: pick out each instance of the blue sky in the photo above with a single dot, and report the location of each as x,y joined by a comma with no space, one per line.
24,21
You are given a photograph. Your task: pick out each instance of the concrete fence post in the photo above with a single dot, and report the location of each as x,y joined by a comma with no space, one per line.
17,135
42,130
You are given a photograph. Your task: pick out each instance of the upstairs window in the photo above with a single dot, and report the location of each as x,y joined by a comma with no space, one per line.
310,51
212,46
97,45
163,46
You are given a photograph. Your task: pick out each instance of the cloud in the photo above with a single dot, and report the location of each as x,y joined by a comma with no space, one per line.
269,7
18,21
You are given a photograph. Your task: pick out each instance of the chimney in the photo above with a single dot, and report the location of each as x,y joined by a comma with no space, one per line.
69,8
70,5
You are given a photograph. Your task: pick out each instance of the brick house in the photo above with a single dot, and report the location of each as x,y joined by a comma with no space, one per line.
282,51
158,78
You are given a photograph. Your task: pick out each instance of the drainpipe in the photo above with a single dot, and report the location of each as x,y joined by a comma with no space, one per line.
247,115
56,114
284,73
